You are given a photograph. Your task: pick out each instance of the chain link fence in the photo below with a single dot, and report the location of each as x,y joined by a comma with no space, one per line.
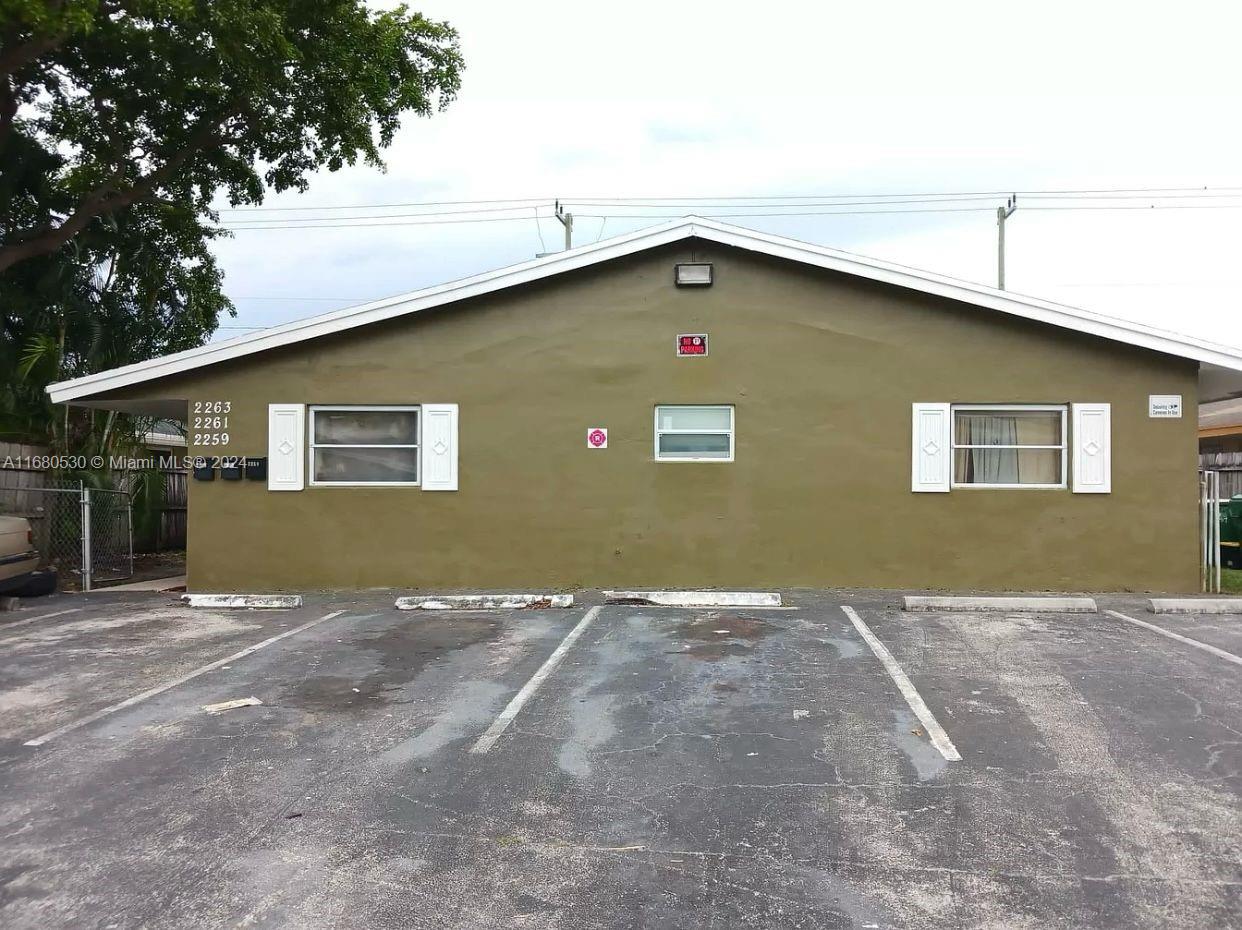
86,534
112,535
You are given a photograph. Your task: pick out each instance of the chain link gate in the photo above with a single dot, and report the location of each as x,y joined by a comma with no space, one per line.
86,534
110,553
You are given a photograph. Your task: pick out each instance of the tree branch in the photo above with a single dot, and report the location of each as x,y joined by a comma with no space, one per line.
16,57
8,108
103,200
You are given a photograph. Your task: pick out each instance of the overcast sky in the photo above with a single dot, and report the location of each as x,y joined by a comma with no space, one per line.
717,99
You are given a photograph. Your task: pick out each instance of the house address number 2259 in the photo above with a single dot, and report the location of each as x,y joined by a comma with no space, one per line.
210,423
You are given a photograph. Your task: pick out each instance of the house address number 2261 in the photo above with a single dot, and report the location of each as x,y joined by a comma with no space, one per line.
210,423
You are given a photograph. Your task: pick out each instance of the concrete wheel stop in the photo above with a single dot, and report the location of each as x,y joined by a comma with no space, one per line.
1071,605
694,598
484,601
253,601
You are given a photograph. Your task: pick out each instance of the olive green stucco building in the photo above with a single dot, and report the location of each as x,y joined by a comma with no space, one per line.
849,423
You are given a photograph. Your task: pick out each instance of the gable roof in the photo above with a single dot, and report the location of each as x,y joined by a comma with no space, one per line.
1222,360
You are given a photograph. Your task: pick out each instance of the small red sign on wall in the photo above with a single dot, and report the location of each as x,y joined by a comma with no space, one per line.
692,344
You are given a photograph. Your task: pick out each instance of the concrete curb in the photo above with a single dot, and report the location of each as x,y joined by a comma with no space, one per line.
1070,605
155,584
264,601
694,598
483,601
1196,605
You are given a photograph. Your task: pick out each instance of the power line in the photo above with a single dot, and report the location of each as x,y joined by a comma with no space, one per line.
1204,194
1152,206
1171,191
380,221
598,216
930,199
593,203
722,216
520,202
314,224
433,213
233,223
393,216
1223,206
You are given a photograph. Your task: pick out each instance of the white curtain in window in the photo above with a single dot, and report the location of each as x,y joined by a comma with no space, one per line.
993,466
1008,466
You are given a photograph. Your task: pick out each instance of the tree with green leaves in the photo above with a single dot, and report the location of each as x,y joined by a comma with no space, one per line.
122,120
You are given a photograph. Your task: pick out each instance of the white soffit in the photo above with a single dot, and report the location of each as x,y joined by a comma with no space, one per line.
1084,321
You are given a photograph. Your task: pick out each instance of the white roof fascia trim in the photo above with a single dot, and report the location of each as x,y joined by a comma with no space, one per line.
336,321
363,314
1031,308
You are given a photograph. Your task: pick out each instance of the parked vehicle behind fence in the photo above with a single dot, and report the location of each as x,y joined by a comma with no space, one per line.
19,561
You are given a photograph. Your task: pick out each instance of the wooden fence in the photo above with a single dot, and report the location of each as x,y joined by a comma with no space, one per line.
1229,465
15,479
171,532
22,492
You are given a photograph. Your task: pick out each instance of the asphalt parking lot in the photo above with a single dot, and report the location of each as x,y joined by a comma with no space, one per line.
617,767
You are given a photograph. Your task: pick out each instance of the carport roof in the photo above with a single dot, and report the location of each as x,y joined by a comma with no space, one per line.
1224,416
1220,373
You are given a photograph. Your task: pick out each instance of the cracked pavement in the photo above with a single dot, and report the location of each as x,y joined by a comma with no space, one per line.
679,768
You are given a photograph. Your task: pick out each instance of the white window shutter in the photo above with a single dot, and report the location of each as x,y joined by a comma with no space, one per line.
931,467
1093,453
286,447
439,447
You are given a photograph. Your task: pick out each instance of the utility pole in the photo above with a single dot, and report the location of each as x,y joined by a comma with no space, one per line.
567,220
1002,214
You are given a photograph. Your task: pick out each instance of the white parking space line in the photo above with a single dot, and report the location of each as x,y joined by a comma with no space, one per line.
935,732
501,723
160,689
5,627
1219,653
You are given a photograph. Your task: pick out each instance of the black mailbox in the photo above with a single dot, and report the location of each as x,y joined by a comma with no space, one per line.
256,468
231,468
204,468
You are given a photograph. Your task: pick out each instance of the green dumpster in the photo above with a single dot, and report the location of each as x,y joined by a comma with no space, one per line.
1231,532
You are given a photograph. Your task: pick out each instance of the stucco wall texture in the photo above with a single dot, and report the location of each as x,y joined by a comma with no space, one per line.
822,368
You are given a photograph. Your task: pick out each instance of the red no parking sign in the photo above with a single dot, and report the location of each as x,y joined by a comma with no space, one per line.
597,438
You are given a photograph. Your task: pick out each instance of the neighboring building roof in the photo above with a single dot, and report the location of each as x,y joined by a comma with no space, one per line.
1223,418
165,433
1221,360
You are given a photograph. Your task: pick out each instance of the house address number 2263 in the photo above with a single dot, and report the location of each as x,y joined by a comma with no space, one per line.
210,423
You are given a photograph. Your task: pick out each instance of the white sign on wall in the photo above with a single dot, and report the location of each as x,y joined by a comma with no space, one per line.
597,438
1164,406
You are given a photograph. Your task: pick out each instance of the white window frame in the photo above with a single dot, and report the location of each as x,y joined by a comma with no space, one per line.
311,445
709,432
1062,409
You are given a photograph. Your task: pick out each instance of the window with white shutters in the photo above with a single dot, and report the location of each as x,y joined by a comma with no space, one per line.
371,445
1009,446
